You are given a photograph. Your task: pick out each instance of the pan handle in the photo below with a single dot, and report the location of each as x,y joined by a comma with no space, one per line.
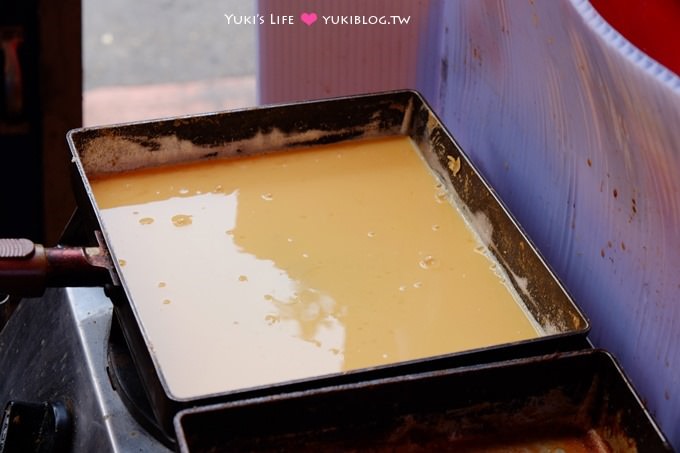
26,269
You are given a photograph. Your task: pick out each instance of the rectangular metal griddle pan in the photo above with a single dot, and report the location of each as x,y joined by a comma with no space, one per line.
512,406
119,148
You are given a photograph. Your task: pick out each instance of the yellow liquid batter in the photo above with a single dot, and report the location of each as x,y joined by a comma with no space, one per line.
254,271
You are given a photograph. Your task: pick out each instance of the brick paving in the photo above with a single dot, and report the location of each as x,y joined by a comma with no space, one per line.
119,104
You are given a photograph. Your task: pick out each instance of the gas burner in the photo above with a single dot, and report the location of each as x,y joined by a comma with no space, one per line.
126,381
55,352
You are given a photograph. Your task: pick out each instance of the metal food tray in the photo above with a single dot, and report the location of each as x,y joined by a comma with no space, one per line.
578,401
120,148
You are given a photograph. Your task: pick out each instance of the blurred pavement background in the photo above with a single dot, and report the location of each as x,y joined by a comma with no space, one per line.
158,58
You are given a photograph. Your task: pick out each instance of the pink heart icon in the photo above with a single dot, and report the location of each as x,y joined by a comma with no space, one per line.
308,18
